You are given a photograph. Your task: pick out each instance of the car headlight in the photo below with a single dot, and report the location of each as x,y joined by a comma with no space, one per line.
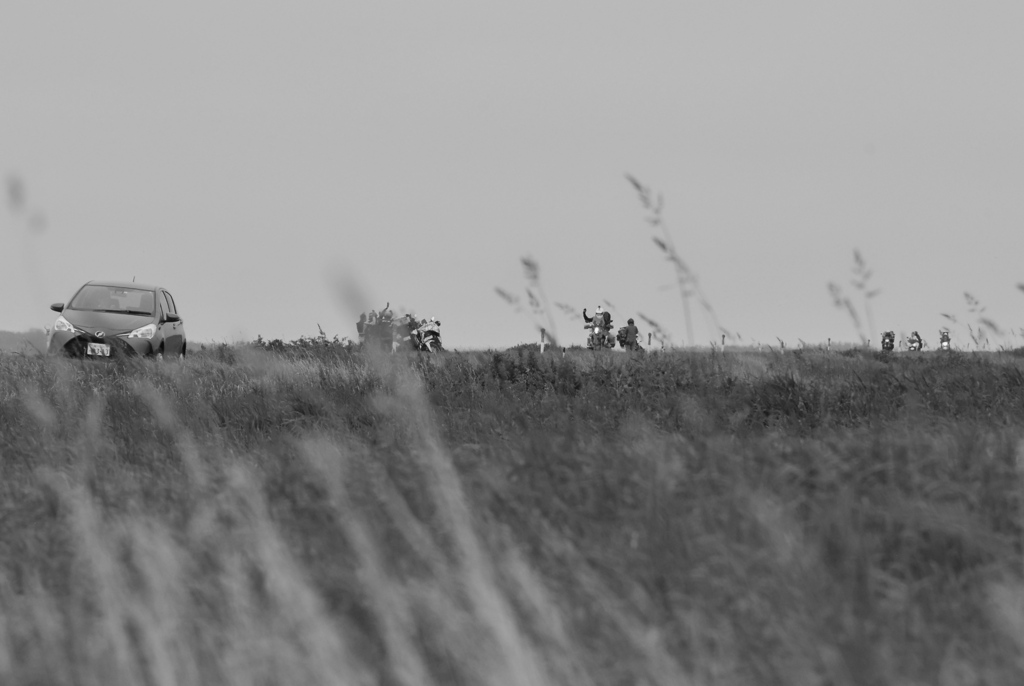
147,331
62,324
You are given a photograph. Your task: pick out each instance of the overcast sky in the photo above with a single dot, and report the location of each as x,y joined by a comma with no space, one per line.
250,156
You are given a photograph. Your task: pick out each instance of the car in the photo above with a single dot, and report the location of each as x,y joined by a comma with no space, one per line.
113,319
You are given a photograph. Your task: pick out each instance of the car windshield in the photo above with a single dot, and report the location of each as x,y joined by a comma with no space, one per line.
96,298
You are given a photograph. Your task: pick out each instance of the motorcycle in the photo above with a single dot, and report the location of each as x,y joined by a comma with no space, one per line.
944,340
403,334
429,338
431,342
598,339
888,341
914,343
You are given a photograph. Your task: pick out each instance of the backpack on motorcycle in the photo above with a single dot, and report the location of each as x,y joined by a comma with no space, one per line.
621,337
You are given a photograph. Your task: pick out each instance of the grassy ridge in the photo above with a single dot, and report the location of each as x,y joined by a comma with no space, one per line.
313,516
28,342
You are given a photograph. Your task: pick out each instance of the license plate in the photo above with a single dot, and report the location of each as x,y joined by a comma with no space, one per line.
98,349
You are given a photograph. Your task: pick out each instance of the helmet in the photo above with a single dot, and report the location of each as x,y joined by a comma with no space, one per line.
599,310
630,321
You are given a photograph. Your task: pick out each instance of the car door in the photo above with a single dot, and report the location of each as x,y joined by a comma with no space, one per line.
179,326
174,331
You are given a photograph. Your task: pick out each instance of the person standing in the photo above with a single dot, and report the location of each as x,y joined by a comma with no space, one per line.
385,336
632,334
361,328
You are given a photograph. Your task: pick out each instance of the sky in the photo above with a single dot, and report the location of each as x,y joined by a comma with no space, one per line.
281,166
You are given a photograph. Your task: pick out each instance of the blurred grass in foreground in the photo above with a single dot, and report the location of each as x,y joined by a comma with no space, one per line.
316,517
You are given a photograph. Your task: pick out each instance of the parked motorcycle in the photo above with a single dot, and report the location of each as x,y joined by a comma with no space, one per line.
888,340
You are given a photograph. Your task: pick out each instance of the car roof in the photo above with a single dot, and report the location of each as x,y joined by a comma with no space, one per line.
125,284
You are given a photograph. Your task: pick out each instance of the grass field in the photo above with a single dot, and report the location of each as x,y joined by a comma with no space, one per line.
313,516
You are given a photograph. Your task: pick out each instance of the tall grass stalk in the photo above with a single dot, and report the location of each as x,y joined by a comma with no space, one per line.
861,282
686,278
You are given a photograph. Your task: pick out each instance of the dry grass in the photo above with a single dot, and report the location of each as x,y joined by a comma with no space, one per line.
511,518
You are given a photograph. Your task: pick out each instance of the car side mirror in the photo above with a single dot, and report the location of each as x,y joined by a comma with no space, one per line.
57,307
172,318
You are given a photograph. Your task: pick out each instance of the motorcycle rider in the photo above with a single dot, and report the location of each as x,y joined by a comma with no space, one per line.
601,319
405,331
371,330
385,333
592,322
